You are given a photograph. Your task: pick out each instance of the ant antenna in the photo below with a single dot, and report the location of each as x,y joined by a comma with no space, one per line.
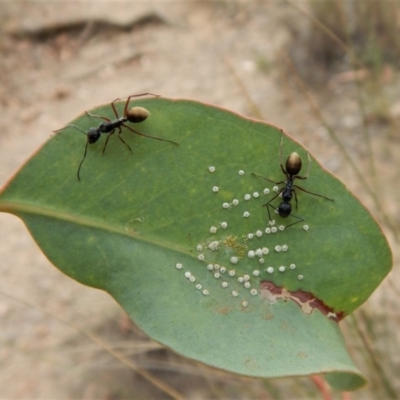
83,159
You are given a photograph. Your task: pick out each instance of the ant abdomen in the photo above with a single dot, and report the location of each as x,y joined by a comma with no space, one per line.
293,164
137,114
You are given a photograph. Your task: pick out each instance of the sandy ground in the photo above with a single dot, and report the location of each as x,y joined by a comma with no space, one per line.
57,64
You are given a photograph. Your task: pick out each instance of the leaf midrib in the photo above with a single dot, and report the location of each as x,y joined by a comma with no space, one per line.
19,209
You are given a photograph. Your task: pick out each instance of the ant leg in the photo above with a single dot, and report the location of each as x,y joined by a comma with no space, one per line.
136,95
280,155
108,138
123,141
119,137
128,101
71,126
300,219
97,116
143,94
269,201
148,136
126,106
274,208
268,204
259,176
309,167
295,197
315,194
80,165
113,107
280,148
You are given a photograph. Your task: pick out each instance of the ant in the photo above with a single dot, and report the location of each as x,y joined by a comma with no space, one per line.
133,115
293,168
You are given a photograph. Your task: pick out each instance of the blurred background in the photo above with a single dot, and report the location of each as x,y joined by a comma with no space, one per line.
327,72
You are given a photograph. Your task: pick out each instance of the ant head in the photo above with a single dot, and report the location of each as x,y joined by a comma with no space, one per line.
284,209
293,164
93,135
137,114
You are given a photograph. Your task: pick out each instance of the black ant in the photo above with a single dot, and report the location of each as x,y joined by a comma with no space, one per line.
133,115
293,167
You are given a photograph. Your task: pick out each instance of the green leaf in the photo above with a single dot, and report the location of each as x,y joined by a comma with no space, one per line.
134,217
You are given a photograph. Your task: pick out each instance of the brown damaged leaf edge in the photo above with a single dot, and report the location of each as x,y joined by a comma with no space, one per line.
305,300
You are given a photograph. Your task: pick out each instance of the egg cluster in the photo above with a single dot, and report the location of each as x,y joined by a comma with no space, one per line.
225,254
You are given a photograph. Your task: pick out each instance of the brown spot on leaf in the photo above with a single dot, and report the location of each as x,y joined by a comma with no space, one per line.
275,290
268,316
305,300
223,310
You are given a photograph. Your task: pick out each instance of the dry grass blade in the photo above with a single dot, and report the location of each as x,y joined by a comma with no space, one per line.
116,354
